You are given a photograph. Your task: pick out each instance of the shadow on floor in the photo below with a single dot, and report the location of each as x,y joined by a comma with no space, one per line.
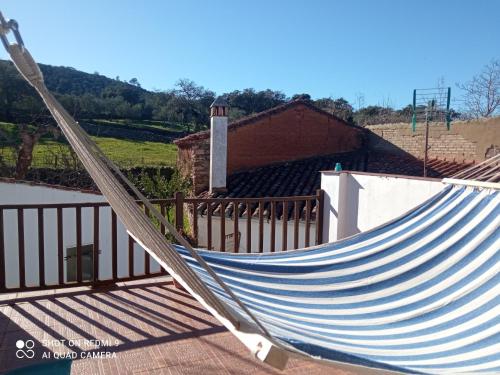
143,328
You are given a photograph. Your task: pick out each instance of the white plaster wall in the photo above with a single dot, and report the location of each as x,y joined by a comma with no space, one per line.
20,193
23,193
356,202
242,228
330,183
218,152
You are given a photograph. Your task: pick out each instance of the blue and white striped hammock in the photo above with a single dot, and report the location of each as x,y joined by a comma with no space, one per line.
419,294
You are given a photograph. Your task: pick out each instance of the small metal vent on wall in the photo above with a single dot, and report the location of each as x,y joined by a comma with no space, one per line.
87,263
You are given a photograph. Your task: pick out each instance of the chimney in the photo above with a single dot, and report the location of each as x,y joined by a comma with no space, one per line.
218,145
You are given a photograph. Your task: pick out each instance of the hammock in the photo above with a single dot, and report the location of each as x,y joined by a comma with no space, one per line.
419,294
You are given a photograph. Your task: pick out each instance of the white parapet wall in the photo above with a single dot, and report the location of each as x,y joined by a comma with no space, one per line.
14,193
254,232
358,201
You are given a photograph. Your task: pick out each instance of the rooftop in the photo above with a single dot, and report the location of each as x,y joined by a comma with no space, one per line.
303,177
219,102
150,326
487,171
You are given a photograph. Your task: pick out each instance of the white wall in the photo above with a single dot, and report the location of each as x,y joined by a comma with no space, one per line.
242,228
356,202
24,193
21,193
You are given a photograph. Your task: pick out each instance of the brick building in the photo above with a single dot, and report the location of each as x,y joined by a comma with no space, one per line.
279,153
293,131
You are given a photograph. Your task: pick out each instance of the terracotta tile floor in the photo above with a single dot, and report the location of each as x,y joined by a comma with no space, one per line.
146,327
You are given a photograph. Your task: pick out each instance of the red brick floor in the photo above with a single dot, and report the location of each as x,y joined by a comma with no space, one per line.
147,327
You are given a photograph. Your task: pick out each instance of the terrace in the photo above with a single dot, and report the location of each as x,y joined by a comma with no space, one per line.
144,327
72,278
78,286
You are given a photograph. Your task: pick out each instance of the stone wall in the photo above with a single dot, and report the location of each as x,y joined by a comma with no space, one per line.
194,162
472,140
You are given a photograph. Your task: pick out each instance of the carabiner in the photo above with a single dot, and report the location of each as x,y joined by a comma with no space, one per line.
5,27
14,26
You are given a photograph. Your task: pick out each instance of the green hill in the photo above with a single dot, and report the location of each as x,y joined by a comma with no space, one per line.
94,96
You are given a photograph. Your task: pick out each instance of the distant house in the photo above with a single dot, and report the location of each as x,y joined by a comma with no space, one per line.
292,131
277,153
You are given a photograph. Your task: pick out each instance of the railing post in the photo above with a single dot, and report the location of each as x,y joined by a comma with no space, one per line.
20,241
209,226
222,246
95,250
195,223
79,255
284,228
179,211
114,246
2,255
320,199
41,248
60,245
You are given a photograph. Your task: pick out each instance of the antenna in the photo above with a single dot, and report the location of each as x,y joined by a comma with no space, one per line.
431,105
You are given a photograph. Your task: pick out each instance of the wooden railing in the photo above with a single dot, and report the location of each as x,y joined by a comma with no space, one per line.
28,232
242,211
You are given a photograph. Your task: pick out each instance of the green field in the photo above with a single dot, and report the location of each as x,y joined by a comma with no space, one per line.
125,153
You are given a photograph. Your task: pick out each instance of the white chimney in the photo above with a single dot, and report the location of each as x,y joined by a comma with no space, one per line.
218,145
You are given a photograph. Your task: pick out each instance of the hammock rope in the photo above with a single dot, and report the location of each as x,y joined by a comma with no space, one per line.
107,177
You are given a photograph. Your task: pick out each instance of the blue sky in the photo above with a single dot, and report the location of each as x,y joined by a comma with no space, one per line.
381,49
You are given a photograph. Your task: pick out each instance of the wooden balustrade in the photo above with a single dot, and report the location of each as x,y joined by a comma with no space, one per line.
238,215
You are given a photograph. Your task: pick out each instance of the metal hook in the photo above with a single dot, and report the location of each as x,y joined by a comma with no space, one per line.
5,27
14,26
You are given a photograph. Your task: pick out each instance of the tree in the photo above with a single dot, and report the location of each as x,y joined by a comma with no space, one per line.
338,107
301,97
482,93
250,101
30,135
134,82
189,89
235,114
374,114
191,102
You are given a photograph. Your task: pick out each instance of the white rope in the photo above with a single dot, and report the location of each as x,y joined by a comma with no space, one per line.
99,167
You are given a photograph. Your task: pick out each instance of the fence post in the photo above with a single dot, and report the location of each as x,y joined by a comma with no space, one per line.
320,199
179,211
95,250
3,276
